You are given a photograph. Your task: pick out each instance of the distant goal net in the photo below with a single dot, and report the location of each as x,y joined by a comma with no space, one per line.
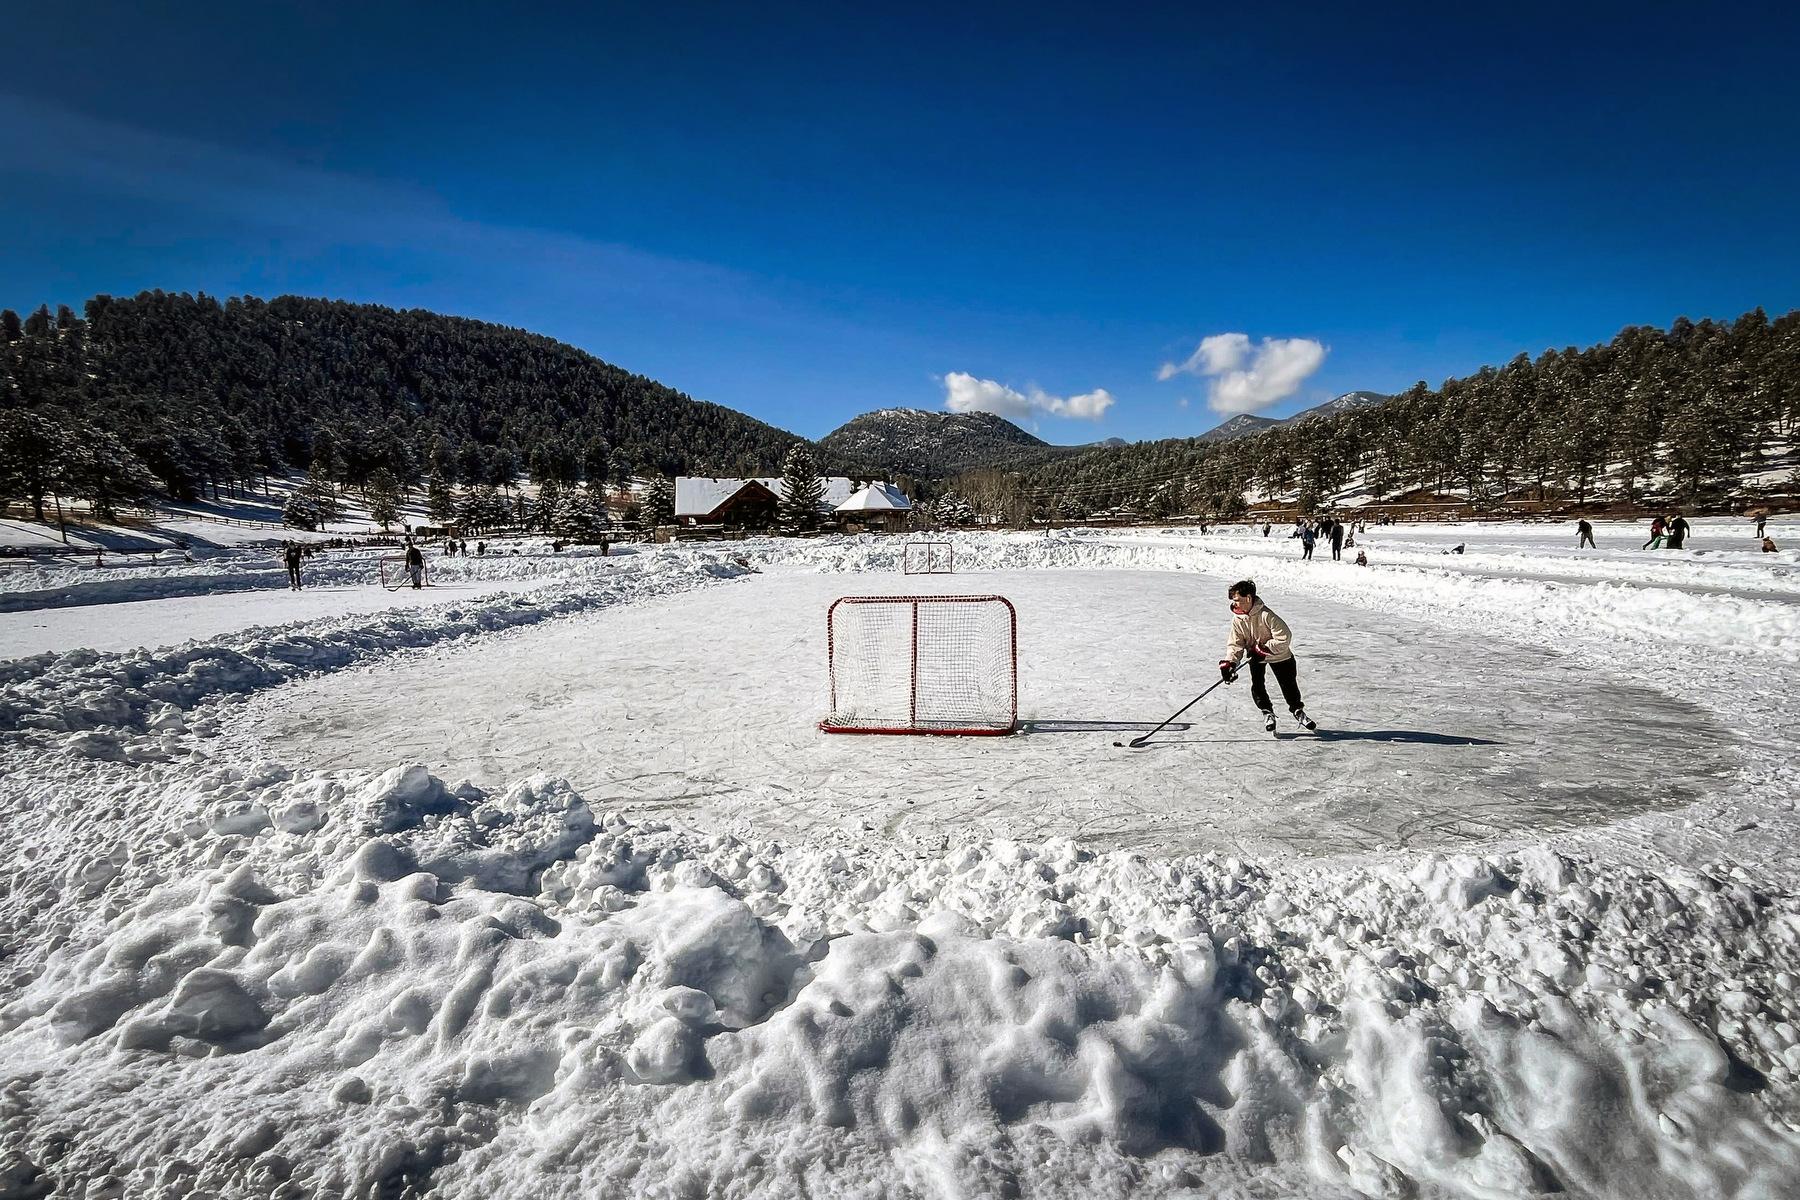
393,573
922,664
928,558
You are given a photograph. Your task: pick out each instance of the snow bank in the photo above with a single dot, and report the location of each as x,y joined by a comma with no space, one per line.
132,692
507,995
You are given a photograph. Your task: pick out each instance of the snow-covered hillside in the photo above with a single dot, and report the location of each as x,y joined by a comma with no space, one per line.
543,883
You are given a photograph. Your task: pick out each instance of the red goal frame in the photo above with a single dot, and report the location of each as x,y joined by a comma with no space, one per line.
913,726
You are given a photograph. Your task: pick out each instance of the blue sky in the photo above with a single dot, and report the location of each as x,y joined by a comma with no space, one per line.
810,212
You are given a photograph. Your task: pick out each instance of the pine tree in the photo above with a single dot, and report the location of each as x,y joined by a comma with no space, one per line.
382,491
551,500
581,517
802,492
440,501
11,330
596,459
313,505
34,452
658,507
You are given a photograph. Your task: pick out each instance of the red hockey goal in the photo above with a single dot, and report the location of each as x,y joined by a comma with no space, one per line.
923,664
928,558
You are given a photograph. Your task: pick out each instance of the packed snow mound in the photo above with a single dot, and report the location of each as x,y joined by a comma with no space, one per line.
497,986
89,690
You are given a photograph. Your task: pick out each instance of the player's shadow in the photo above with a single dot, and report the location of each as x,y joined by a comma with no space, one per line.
1415,737
1029,727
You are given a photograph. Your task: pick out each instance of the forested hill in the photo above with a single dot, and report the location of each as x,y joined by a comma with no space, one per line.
920,442
1692,413
205,392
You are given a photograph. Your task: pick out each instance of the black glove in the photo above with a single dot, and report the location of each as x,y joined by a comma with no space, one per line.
1227,672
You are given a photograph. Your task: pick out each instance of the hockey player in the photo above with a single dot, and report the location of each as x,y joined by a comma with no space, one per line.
1585,531
1263,637
415,565
290,555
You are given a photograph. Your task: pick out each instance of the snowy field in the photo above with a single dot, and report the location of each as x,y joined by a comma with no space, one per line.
542,882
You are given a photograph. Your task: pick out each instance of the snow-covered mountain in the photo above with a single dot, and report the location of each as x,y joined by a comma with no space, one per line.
922,442
1244,425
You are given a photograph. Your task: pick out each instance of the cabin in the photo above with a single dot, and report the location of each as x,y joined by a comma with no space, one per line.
877,506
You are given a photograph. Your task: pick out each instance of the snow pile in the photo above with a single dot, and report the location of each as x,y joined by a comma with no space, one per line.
210,573
147,690
508,995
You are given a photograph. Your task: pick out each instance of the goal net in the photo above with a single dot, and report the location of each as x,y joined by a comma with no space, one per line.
928,558
393,573
922,664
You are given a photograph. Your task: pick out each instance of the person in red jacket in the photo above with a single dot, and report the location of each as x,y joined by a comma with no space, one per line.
1258,634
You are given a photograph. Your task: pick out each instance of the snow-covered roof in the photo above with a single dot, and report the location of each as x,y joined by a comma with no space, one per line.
697,495
877,497
836,489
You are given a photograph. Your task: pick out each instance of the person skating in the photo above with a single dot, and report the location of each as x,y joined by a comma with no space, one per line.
1307,537
1678,531
290,554
1337,540
415,565
1587,535
1762,524
1656,535
1258,634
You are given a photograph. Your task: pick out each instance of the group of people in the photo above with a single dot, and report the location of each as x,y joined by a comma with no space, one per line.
1673,527
1670,530
294,555
1340,536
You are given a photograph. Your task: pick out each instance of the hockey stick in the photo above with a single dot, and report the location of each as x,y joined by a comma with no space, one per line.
1137,742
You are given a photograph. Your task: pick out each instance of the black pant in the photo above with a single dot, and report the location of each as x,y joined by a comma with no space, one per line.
1306,549
1587,539
293,575
1287,674
1337,550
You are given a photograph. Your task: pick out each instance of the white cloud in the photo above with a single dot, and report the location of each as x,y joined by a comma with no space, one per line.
964,393
1246,378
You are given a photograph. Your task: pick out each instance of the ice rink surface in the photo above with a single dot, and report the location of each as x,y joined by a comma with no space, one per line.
701,708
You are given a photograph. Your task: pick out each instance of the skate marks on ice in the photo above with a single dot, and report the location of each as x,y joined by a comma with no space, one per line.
701,708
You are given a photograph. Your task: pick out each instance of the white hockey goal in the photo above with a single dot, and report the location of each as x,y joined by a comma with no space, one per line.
928,558
923,664
393,573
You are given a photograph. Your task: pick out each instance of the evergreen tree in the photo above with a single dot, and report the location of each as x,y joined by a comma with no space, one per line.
551,500
11,330
440,501
658,506
443,458
596,460
312,506
34,454
37,325
382,491
580,517
802,492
